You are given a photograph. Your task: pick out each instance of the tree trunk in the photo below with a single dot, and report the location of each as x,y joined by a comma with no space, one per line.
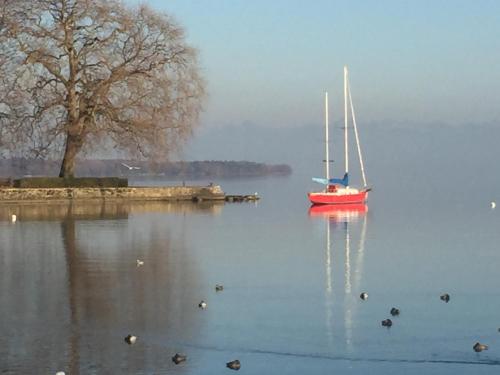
73,146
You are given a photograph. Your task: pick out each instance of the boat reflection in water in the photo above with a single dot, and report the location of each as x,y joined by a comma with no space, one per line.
339,212
343,219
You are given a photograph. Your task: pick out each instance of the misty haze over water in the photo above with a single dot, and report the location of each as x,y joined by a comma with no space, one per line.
427,158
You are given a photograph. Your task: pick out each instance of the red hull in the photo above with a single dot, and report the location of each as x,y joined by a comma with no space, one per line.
335,198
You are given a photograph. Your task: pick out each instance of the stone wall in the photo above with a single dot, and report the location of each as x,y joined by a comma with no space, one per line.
171,193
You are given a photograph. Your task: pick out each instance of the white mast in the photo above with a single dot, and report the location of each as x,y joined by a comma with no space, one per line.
346,155
327,155
357,137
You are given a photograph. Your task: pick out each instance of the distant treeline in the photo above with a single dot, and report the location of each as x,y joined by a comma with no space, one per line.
179,170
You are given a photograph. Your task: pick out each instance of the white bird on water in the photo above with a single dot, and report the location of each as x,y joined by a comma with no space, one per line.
493,205
140,262
13,218
130,339
129,166
60,373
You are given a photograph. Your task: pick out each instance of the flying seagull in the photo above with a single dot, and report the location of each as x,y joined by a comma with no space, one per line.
130,167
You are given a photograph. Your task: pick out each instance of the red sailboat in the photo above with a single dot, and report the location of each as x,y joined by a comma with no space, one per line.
338,190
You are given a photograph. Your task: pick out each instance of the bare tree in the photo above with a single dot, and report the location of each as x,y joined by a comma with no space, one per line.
83,74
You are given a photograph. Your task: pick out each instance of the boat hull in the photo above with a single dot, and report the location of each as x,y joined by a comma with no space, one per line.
336,198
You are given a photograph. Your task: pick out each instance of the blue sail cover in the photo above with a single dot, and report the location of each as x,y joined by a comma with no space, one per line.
342,181
322,181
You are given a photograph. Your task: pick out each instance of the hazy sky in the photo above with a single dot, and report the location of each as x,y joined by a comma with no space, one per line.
411,62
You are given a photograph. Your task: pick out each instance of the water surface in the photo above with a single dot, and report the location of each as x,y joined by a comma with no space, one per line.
70,289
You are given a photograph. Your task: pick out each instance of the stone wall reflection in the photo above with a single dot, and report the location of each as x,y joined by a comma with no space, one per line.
71,290
100,209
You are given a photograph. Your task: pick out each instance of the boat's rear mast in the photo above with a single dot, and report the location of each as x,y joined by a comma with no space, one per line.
356,135
346,153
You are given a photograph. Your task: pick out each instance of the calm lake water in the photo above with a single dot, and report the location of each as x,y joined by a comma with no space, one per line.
70,289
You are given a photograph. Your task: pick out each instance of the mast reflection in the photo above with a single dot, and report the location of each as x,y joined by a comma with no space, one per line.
340,218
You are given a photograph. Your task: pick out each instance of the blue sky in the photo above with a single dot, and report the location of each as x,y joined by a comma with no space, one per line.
411,62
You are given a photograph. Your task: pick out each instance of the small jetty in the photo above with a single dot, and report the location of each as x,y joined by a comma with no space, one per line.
242,198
